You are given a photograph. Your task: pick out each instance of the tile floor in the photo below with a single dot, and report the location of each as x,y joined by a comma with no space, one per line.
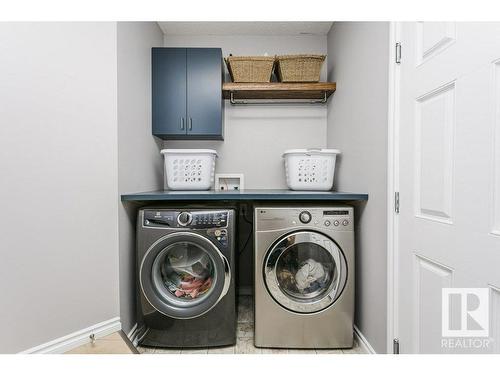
244,341
111,344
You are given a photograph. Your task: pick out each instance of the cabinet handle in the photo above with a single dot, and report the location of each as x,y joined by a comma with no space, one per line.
182,123
190,123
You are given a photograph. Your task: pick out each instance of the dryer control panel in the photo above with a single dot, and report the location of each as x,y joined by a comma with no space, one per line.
339,218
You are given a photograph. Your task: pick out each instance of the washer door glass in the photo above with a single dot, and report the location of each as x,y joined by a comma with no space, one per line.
305,272
185,270
184,275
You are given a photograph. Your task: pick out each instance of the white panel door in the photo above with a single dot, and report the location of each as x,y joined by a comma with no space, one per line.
449,182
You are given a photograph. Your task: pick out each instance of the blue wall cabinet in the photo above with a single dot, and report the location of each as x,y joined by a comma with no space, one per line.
187,93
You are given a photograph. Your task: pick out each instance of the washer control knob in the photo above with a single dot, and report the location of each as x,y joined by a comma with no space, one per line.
327,223
336,223
305,217
184,218
345,222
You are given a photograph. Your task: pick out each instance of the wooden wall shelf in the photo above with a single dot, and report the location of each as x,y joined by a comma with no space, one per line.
248,93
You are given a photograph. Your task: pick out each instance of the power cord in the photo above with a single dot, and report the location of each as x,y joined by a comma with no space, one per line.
243,211
245,216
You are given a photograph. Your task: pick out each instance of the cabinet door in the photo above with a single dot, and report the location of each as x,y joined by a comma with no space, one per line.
204,93
169,92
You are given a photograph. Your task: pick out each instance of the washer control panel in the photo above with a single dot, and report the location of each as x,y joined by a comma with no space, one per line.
219,234
185,219
209,220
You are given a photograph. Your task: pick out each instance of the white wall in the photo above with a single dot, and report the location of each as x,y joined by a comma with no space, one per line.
58,162
139,159
357,125
255,137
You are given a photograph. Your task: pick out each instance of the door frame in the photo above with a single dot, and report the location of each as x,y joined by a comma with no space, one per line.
393,186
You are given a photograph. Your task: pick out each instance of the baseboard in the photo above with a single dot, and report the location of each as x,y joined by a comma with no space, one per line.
363,342
75,339
133,335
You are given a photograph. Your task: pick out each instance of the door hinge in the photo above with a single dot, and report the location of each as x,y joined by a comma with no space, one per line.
398,53
396,202
395,346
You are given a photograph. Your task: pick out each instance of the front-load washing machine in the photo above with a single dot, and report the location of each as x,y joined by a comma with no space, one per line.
304,277
186,284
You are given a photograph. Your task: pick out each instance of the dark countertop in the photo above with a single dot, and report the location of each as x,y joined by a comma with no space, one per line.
243,195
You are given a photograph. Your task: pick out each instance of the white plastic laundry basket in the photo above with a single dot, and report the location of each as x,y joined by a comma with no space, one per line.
189,169
310,169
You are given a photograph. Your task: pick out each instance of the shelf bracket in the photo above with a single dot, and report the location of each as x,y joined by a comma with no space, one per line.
233,101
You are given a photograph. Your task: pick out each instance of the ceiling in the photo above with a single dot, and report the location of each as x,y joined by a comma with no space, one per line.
245,28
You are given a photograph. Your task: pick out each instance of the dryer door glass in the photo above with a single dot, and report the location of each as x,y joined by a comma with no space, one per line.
184,275
305,271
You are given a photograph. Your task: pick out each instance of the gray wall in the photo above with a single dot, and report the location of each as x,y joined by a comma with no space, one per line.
139,159
357,125
58,162
255,137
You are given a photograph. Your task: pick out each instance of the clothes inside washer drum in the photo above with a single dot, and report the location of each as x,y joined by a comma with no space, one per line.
187,275
194,263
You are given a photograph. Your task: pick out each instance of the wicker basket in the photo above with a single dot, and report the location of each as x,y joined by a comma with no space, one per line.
299,68
250,68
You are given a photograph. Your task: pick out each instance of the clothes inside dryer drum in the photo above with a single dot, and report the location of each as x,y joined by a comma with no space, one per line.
187,271
310,273
305,271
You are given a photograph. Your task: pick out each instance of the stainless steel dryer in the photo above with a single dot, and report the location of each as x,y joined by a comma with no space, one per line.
185,268
304,277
